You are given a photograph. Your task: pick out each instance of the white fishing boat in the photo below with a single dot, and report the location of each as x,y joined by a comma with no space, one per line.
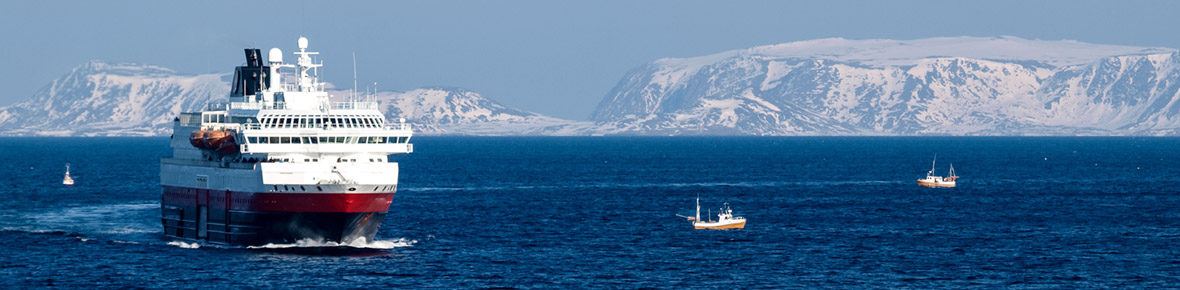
932,180
67,180
725,219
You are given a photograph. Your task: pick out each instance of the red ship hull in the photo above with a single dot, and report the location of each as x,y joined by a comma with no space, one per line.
259,218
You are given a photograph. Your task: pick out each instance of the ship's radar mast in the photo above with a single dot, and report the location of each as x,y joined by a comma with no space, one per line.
275,58
307,83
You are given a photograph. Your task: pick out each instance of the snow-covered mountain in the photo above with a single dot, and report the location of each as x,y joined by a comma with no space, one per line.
935,86
462,112
943,86
121,99
101,99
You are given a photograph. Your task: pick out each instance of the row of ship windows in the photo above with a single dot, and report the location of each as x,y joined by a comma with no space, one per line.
328,140
303,122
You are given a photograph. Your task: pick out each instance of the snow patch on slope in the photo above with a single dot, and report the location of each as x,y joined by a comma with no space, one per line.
889,52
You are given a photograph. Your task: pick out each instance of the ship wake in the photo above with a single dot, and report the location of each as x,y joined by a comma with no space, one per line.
359,243
104,221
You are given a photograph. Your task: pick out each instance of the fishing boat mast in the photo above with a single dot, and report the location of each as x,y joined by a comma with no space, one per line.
932,164
698,208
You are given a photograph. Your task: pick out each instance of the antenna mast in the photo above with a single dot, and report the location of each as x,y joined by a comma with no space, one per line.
353,76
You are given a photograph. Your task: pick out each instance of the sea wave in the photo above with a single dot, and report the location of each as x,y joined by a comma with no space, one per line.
751,184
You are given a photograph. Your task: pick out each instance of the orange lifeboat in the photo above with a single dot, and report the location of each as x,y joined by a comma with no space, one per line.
197,139
214,138
227,145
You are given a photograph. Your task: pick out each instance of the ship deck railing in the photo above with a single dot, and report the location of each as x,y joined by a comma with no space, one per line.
234,164
258,126
283,106
399,127
246,106
354,105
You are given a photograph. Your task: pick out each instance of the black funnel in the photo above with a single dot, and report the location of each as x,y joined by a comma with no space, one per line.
253,57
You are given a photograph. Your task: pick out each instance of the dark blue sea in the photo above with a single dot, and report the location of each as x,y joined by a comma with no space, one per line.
599,212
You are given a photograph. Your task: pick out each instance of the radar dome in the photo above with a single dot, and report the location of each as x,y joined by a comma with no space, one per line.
302,42
275,55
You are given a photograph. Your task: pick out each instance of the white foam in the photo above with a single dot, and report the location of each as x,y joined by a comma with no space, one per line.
184,245
27,230
126,230
358,243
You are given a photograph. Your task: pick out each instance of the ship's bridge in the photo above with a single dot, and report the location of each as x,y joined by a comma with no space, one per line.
271,118
344,127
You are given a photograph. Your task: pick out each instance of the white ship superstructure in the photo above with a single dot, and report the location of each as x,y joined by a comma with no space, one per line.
280,161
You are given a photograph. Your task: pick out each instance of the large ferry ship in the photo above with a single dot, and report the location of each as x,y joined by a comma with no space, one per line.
280,162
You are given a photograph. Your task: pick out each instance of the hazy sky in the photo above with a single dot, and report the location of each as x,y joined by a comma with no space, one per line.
552,57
